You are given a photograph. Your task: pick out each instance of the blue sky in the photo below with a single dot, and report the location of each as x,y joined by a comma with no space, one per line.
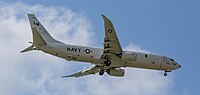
166,27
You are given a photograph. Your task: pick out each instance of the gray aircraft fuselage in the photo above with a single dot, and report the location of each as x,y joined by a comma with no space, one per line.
110,59
93,55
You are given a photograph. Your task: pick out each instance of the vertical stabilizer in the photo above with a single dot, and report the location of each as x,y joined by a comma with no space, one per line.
40,34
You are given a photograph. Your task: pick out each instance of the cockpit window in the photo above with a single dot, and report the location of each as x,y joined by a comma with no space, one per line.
172,59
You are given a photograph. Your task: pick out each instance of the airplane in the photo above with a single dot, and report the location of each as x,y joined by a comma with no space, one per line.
111,59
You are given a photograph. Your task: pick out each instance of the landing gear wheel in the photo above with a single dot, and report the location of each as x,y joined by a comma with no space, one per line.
101,72
165,74
108,71
107,62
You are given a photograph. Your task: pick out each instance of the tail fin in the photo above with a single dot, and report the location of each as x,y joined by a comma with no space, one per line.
40,34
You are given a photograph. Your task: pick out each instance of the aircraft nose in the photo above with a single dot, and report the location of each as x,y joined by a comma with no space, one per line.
179,66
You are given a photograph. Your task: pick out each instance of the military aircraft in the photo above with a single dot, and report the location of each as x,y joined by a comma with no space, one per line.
111,59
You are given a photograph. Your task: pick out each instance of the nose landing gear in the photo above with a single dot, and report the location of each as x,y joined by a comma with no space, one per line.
165,74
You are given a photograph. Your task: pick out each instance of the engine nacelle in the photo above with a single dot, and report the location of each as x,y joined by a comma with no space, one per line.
116,72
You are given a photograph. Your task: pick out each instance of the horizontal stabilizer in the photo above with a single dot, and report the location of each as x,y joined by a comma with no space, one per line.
92,70
28,49
69,76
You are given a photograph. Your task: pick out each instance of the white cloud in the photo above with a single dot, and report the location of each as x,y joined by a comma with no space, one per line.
132,47
39,73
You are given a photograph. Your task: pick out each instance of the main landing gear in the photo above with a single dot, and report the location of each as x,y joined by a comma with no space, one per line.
107,62
101,72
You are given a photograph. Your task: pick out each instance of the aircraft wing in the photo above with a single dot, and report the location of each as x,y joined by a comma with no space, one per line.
112,47
92,70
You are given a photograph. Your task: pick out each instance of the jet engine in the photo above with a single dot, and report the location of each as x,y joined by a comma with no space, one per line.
116,72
